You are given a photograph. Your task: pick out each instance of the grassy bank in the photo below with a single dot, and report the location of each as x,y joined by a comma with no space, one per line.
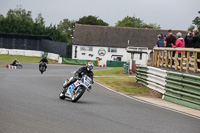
120,82
23,59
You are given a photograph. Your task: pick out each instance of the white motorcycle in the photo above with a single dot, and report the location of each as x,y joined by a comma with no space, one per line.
76,90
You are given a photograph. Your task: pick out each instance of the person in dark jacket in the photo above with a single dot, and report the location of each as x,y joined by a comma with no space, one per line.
44,59
189,44
14,63
87,70
196,42
170,39
160,42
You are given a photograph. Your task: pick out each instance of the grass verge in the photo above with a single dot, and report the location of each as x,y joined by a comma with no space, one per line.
123,83
23,59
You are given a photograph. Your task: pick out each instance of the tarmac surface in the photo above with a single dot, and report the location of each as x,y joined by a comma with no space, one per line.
29,102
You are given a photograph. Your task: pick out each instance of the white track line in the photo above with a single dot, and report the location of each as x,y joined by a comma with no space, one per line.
150,103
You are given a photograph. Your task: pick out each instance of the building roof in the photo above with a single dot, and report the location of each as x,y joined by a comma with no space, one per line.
106,36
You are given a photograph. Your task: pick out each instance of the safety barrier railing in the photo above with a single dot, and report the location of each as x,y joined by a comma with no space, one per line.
179,88
33,53
151,77
125,68
164,57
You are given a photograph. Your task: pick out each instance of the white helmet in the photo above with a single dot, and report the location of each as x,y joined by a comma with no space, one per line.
89,66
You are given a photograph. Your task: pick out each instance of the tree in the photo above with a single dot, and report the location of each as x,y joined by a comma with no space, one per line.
67,28
191,27
136,23
39,25
196,21
55,34
19,21
91,20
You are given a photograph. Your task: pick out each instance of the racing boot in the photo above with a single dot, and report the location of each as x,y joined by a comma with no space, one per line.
65,87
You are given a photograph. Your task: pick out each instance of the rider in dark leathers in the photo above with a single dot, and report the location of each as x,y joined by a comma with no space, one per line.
87,70
14,63
44,59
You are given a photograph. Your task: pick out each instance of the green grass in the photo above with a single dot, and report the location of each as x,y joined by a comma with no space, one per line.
123,83
116,71
23,59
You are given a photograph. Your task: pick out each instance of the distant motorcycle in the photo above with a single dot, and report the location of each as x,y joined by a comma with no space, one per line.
17,65
42,67
77,89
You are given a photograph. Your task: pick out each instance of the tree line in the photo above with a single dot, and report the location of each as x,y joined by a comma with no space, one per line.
20,21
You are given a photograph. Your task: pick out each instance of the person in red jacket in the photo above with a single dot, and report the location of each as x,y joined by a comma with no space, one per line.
180,43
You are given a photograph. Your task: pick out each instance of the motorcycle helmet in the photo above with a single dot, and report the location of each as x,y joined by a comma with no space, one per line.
89,66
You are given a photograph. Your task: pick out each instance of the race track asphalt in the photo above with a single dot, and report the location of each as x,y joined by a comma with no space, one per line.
29,103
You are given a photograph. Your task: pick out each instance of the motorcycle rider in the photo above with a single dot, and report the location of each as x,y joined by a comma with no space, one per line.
87,70
14,63
44,59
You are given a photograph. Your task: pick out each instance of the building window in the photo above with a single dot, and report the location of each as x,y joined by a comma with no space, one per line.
86,48
112,50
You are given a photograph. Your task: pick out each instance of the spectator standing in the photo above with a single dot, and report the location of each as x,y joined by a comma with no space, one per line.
196,42
189,44
160,43
170,39
180,43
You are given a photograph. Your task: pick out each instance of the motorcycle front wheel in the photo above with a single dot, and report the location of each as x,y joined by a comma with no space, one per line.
77,94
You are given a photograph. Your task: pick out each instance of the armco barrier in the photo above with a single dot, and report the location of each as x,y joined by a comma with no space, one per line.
179,88
125,67
29,53
151,77
3,51
183,89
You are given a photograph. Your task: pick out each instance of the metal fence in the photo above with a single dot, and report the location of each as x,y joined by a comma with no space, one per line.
39,43
179,88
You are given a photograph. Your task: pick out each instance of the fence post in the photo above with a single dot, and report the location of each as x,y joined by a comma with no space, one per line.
195,61
171,53
166,60
187,62
181,62
176,61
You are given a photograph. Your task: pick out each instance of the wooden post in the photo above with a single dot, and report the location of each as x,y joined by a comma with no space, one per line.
195,61
176,61
171,53
166,59
153,57
162,58
158,62
187,62
154,63
156,54
181,62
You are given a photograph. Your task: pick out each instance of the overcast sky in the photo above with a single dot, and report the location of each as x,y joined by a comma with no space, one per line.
169,14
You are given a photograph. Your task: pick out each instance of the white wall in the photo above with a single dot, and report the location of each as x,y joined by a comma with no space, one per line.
120,51
107,56
29,53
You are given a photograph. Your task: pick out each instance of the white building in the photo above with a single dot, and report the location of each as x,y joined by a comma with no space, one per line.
109,54
113,43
